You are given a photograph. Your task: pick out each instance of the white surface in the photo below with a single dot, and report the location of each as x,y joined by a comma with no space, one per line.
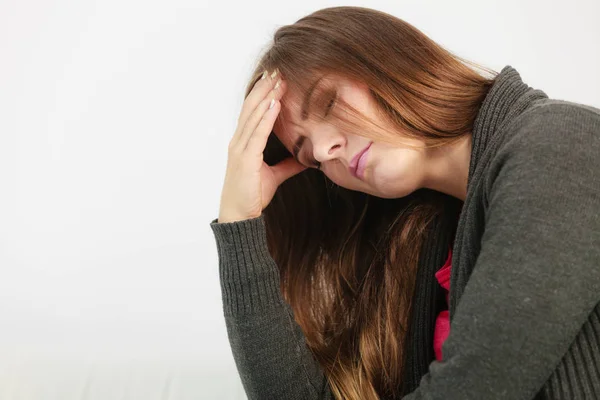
114,122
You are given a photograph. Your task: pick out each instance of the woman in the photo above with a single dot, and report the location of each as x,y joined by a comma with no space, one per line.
392,169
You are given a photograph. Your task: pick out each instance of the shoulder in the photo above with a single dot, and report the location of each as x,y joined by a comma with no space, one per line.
553,133
553,127
551,148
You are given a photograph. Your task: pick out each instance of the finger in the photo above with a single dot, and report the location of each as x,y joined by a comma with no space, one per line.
256,140
258,93
261,123
286,169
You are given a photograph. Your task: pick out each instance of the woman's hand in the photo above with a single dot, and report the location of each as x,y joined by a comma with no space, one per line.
250,183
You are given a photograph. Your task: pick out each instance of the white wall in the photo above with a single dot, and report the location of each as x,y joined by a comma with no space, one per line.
114,122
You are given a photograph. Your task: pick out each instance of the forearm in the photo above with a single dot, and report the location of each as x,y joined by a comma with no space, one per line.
268,345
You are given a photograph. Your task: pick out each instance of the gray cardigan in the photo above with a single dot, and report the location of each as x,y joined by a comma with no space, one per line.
524,297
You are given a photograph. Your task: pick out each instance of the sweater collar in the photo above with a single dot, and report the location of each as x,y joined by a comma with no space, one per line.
506,99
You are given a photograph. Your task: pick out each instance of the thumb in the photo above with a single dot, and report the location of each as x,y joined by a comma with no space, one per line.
286,169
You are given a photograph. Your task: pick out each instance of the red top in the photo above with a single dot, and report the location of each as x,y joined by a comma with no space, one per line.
442,322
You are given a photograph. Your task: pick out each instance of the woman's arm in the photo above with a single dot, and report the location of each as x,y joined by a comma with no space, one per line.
536,280
268,345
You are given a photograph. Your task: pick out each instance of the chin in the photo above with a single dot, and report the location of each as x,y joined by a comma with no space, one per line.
392,192
389,195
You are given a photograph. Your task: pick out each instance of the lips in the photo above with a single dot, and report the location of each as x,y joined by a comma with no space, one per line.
354,162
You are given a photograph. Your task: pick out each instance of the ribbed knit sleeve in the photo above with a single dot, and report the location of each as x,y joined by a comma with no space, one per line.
249,277
268,346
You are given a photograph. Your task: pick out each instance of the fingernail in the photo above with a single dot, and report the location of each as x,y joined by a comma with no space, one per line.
274,73
277,84
264,75
272,103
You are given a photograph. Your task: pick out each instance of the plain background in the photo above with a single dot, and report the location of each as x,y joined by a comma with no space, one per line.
114,122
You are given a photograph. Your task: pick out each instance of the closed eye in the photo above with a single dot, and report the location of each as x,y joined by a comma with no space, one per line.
331,104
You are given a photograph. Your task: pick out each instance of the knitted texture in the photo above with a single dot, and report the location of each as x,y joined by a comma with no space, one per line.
525,279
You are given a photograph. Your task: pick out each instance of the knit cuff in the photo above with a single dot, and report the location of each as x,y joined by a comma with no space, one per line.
249,276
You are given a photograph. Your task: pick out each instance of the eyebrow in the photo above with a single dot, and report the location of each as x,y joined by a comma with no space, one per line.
297,147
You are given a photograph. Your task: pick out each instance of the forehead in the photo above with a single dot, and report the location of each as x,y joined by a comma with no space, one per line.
289,123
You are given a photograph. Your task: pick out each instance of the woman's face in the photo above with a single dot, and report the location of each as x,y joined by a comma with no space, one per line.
384,170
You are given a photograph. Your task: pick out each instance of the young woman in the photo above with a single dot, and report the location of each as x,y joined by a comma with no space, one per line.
395,225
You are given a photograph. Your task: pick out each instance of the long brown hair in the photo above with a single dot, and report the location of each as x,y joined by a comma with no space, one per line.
347,259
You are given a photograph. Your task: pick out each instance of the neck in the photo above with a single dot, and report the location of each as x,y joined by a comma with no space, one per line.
448,168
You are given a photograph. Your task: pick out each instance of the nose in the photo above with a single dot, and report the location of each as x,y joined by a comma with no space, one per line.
327,145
